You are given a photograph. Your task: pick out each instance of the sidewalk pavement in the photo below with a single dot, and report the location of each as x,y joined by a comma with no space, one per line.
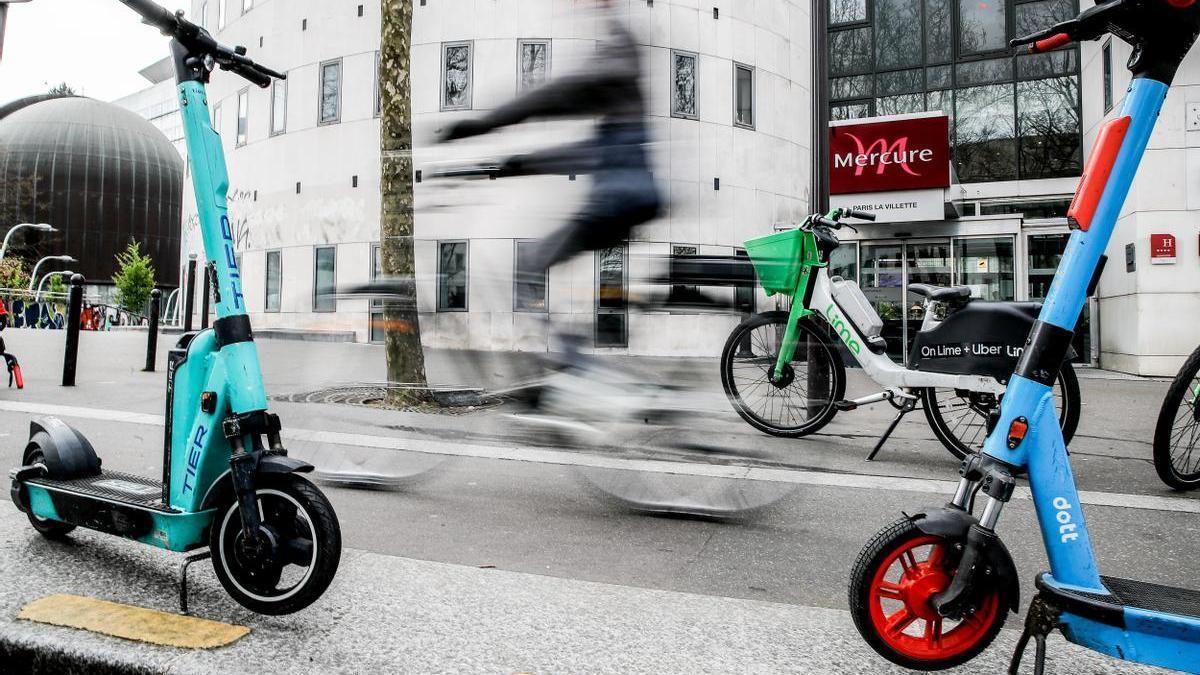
395,615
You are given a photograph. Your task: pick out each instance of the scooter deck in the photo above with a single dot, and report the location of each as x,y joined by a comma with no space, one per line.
115,486
1126,593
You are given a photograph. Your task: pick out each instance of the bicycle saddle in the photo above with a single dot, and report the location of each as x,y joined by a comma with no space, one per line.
941,293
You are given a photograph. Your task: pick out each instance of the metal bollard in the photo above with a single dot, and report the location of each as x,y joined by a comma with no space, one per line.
206,294
152,339
189,302
74,311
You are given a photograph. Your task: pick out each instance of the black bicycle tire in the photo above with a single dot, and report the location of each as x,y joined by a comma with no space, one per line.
838,370
1163,463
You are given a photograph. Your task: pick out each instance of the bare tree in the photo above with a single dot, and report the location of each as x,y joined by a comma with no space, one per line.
405,356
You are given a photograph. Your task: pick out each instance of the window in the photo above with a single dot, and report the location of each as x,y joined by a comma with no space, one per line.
1048,125
743,96
243,112
986,265
378,97
533,64
456,76
683,87
529,279
331,92
986,137
378,328
325,279
850,51
274,281
452,276
221,14
204,15
611,310
897,22
1108,76
847,11
938,42
247,5
983,26
278,107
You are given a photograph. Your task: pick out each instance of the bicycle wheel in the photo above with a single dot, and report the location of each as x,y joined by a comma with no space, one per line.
1177,434
800,401
959,417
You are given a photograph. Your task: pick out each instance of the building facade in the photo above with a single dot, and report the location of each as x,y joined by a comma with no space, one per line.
729,86
729,154
1015,138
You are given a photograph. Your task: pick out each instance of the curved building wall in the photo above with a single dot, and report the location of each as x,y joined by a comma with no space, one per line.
100,174
724,183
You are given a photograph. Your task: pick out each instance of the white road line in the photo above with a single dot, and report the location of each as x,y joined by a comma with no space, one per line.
550,456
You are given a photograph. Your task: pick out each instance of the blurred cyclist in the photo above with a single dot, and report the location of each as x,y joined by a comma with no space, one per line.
623,193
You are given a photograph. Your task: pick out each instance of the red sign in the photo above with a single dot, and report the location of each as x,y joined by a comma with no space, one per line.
889,155
1162,249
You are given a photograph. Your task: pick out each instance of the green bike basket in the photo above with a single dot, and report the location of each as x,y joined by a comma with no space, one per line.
778,260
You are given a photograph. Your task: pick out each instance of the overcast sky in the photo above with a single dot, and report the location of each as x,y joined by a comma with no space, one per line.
96,46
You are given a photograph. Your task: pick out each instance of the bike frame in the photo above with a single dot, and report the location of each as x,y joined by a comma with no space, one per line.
1148,637
813,296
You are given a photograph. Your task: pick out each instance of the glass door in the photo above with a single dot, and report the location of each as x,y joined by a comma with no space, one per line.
926,262
883,284
1045,253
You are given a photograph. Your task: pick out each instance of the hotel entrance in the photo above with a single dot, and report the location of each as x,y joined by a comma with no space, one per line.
888,268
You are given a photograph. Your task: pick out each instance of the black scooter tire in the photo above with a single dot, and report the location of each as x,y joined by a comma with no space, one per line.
1181,388
837,373
326,545
50,529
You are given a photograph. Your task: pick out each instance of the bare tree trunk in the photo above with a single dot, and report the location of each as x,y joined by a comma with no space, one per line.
405,357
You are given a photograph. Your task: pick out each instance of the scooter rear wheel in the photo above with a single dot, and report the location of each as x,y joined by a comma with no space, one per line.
50,529
893,580
300,520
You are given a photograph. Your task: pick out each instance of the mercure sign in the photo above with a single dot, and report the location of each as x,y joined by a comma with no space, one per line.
887,155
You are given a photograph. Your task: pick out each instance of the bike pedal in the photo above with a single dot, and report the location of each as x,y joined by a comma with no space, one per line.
845,405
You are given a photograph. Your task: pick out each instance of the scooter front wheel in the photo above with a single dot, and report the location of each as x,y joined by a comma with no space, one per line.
895,577
303,532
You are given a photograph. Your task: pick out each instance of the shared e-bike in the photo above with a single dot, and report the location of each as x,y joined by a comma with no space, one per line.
784,374
932,590
1177,433
273,537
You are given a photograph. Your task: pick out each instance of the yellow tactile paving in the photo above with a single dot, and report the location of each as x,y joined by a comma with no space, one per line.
132,623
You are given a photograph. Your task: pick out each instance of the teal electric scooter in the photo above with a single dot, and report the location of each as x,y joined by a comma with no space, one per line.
227,481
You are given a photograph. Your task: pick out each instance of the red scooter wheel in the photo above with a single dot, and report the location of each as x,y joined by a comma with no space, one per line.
893,582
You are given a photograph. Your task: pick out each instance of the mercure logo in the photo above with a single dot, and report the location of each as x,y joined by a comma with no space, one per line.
879,155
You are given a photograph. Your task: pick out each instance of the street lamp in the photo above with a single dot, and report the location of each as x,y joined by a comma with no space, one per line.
37,297
3,17
62,258
40,227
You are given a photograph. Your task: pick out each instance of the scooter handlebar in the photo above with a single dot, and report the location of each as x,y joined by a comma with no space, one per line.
154,14
861,215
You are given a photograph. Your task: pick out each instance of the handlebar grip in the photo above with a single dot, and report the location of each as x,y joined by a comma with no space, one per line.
1051,43
861,215
822,220
252,73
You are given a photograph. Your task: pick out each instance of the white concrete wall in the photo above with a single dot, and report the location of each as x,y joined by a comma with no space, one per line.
1148,320
764,173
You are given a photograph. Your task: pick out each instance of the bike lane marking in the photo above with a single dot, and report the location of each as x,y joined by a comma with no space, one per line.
571,458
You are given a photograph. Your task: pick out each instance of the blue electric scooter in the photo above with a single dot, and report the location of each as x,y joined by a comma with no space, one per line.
932,590
227,481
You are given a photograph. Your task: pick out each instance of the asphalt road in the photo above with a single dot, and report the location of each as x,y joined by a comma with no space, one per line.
536,509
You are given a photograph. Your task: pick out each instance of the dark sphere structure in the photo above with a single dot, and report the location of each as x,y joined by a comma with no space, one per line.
100,174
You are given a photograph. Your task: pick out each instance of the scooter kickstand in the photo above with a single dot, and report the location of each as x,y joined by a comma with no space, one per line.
905,408
1039,622
183,585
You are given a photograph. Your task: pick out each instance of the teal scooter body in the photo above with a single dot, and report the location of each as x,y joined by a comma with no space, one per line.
227,481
